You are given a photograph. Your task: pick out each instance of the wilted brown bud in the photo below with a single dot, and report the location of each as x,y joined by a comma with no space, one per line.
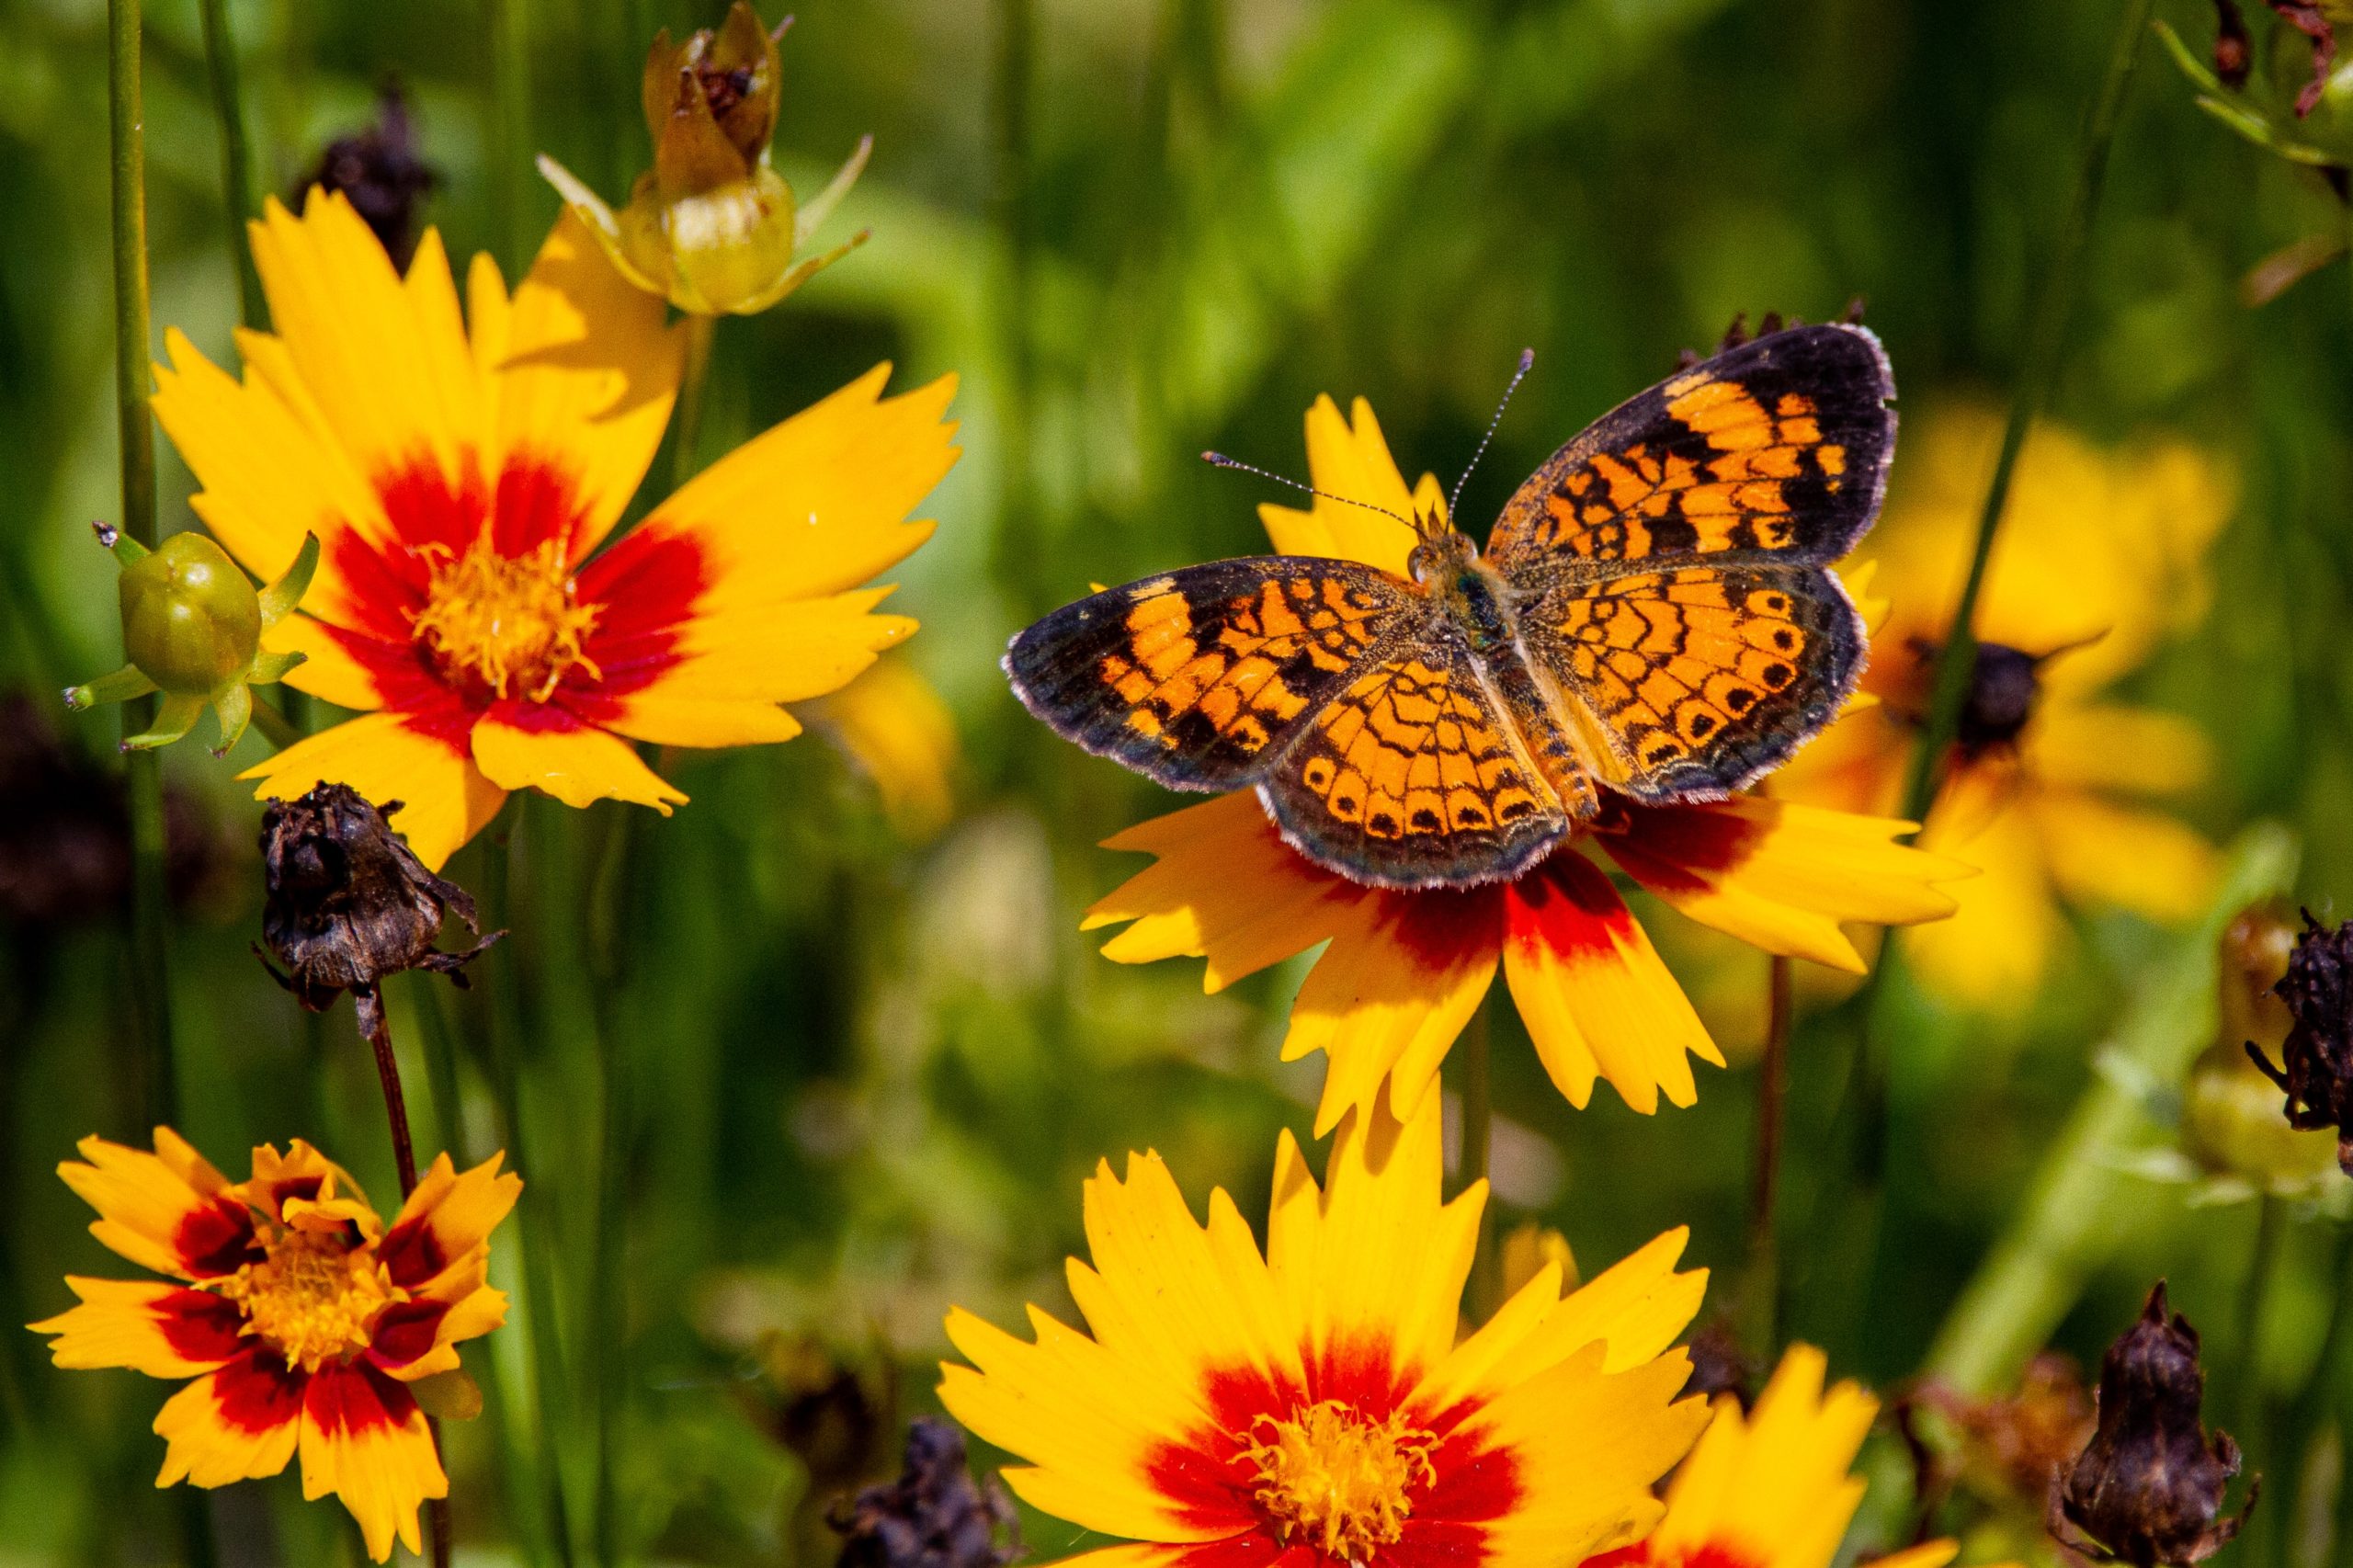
2148,1488
1719,1365
2232,50
2317,1061
933,1516
347,903
380,171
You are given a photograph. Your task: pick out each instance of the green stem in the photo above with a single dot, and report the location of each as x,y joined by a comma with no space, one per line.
1471,1053
236,163
535,1213
609,1296
2240,1403
150,930
2303,1418
2080,1205
510,138
1760,1298
692,379
1957,661
1019,553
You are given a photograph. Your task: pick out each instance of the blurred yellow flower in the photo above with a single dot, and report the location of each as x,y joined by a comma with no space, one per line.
305,1322
1405,968
711,227
1771,1489
2101,559
1312,1404
462,475
902,736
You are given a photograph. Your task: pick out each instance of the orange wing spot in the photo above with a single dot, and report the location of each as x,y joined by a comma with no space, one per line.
1627,486
1318,774
1466,811
1221,705
1250,734
1831,460
1132,685
1425,812
1346,799
1725,413
1143,721
1793,404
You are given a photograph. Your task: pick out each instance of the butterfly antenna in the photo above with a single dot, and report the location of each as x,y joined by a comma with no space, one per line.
1218,460
1527,360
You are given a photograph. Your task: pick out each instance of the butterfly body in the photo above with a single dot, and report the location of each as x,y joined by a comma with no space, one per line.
1653,615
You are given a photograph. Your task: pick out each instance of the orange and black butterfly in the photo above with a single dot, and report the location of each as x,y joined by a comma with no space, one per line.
1655,614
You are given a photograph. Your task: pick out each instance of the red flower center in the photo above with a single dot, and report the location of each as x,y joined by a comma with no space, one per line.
510,623
313,1297
1334,1477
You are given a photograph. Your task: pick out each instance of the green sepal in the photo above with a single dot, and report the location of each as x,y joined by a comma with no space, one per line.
278,599
119,686
174,718
269,669
233,705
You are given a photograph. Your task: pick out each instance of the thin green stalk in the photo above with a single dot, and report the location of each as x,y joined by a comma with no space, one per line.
1957,661
510,138
2082,1203
609,1292
1020,557
2241,1405
236,162
150,912
692,379
535,1212
1471,1055
1760,1298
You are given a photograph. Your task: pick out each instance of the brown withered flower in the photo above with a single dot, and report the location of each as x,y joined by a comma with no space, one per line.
379,170
2016,1445
2316,1068
346,902
933,1516
2148,1488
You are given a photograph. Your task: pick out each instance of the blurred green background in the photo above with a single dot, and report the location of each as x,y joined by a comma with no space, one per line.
872,1059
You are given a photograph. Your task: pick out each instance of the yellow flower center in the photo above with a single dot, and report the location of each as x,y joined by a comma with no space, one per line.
311,1298
509,623
1340,1480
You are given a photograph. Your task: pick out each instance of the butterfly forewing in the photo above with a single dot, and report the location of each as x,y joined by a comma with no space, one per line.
1196,678
1674,559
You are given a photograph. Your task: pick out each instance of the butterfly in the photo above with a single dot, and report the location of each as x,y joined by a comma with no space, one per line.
1653,615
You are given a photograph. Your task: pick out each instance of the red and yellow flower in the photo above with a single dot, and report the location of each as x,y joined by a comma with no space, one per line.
1405,969
302,1320
2102,558
461,472
1312,1404
1771,1489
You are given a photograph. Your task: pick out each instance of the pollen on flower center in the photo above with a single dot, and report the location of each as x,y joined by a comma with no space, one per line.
1344,1482
509,623
312,1298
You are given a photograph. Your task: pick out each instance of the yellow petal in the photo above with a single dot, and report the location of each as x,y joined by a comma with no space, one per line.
2103,746
1352,462
2141,860
365,1441
445,800
894,726
205,1448
578,765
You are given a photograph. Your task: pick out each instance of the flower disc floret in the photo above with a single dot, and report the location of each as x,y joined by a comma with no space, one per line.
1337,1477
513,625
313,1297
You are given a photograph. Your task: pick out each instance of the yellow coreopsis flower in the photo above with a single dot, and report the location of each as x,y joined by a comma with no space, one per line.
304,1321
461,476
1771,1489
2099,560
1311,1404
1405,968
711,227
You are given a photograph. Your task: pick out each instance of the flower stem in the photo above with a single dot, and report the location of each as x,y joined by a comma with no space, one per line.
1761,1290
2240,1404
2303,1416
1957,661
510,137
1478,1147
150,932
688,437
376,1025
236,166
608,871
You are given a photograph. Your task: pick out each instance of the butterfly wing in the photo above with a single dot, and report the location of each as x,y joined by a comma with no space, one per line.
1674,561
1411,776
1196,678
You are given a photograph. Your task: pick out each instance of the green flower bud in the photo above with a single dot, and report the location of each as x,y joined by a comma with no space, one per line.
192,626
2231,1122
711,227
191,621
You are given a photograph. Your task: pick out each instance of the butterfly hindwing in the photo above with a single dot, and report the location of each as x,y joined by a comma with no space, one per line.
1703,677
1776,451
1410,776
1195,678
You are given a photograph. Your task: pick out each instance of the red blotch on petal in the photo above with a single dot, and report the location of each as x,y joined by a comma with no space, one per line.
1440,927
1682,848
216,1239
258,1391
646,587
411,1252
538,500
404,1332
1568,907
199,1325
357,1398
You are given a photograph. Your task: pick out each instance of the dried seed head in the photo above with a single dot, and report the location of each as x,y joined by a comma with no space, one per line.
2316,1060
380,172
346,902
2148,1488
933,1516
